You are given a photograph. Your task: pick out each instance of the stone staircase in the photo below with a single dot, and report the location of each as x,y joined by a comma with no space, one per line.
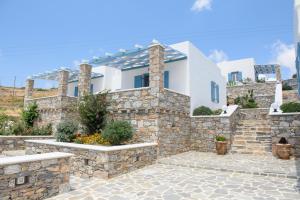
253,133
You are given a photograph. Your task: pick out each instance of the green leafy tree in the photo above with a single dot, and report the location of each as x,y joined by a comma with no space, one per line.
30,114
93,112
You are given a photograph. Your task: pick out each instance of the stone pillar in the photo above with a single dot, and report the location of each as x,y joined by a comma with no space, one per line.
63,83
29,89
156,67
84,82
278,72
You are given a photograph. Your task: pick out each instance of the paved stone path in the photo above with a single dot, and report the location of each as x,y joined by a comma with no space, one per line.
171,182
243,163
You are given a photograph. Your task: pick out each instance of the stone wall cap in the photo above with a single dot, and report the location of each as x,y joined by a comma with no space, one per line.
173,91
25,136
283,114
129,90
33,158
93,147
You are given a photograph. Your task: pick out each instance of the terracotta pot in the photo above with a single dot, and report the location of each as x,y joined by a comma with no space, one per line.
283,151
221,147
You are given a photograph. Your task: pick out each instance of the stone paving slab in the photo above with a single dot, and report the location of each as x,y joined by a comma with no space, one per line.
266,165
171,182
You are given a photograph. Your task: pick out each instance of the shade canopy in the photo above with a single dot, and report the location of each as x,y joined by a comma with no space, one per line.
54,75
129,59
265,69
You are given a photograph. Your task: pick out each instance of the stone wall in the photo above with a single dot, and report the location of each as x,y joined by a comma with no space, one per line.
291,82
99,161
264,93
290,96
160,117
286,125
54,109
204,129
12,143
34,177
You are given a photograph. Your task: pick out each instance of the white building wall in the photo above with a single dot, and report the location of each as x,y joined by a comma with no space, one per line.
200,72
246,66
177,76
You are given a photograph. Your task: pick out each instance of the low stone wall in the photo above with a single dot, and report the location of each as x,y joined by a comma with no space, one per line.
291,82
286,125
34,176
264,93
53,110
204,129
99,161
12,143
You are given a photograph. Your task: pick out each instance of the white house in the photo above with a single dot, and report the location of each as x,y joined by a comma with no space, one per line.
240,70
187,71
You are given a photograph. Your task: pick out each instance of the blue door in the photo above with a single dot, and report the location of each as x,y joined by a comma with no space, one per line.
166,79
76,91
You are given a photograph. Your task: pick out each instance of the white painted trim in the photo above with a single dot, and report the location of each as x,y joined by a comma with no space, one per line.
167,89
283,114
93,147
131,89
230,110
33,158
26,136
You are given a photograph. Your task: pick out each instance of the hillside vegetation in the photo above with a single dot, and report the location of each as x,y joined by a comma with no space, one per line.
12,100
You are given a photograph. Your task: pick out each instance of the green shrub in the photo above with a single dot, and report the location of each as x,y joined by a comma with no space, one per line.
286,87
220,138
246,101
66,131
290,107
93,111
218,112
43,130
117,132
202,110
30,114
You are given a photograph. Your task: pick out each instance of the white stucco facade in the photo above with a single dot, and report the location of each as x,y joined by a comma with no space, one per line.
191,76
245,66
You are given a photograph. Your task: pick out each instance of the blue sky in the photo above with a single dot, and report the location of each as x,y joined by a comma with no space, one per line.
36,35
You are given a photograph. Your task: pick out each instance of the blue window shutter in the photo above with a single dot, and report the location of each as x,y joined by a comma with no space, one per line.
166,79
212,91
76,91
229,77
240,76
138,81
217,93
92,89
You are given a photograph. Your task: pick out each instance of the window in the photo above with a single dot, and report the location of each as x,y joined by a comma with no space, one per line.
143,80
235,76
92,88
215,93
76,91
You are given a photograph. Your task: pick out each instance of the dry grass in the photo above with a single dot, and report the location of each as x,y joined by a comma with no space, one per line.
11,101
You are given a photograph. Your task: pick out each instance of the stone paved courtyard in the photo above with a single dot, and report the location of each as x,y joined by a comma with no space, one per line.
168,180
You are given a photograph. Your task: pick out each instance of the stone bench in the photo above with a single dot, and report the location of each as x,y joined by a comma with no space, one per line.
34,176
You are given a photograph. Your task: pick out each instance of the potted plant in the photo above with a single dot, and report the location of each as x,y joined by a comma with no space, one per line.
221,145
283,149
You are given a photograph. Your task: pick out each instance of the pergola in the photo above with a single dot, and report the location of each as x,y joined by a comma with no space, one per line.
63,75
267,69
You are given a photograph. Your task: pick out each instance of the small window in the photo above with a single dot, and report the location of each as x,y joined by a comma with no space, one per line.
92,88
215,93
141,80
76,91
166,79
